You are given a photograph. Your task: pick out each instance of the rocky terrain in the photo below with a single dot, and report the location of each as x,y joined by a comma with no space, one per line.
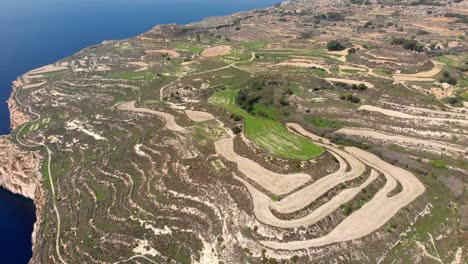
19,169
309,132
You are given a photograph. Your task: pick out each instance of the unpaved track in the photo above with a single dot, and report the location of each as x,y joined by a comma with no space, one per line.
33,85
372,215
397,114
303,63
49,172
420,76
47,69
262,204
271,181
410,142
199,116
168,118
305,196
348,81
428,111
353,68
299,129
172,53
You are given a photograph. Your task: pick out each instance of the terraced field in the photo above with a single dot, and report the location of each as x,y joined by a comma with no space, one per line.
268,134
301,133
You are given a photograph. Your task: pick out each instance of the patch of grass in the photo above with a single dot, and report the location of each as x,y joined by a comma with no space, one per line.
324,123
49,75
447,61
124,47
100,194
268,134
45,174
269,112
350,71
464,96
320,72
32,127
438,164
385,73
190,48
255,45
133,75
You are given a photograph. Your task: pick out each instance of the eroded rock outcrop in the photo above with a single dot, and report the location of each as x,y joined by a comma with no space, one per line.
17,115
19,169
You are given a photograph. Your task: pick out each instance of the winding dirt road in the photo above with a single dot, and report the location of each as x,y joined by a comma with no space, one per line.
405,141
397,114
49,171
372,215
169,119
271,181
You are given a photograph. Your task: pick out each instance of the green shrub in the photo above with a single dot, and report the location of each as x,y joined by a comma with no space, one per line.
362,87
355,100
335,46
438,164
236,129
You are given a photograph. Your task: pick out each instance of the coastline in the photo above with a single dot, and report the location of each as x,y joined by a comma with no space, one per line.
20,169
31,185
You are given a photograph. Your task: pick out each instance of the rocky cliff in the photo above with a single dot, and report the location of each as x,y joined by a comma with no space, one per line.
17,113
19,169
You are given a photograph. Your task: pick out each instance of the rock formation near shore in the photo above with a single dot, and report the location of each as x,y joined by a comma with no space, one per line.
19,169
17,116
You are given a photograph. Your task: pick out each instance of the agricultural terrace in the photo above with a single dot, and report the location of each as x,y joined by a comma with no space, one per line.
268,134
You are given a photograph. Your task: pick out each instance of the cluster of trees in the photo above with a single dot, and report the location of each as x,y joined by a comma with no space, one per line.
360,2
451,100
461,18
360,87
236,129
422,32
426,2
246,103
409,44
335,46
447,78
351,98
352,51
331,16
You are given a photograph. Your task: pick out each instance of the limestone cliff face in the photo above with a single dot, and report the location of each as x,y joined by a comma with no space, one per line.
39,201
17,114
19,169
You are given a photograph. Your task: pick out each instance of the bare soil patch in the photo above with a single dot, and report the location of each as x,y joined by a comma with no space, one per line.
172,53
216,51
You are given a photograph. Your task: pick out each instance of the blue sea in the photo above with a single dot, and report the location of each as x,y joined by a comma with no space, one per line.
35,33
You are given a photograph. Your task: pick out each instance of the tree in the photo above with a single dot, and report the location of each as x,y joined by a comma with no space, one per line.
446,78
451,100
362,87
335,46
355,100
409,44
236,129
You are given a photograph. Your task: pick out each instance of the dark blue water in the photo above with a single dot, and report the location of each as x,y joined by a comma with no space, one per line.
35,33
16,226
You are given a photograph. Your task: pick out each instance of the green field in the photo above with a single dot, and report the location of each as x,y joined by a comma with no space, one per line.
384,73
324,123
268,134
464,96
